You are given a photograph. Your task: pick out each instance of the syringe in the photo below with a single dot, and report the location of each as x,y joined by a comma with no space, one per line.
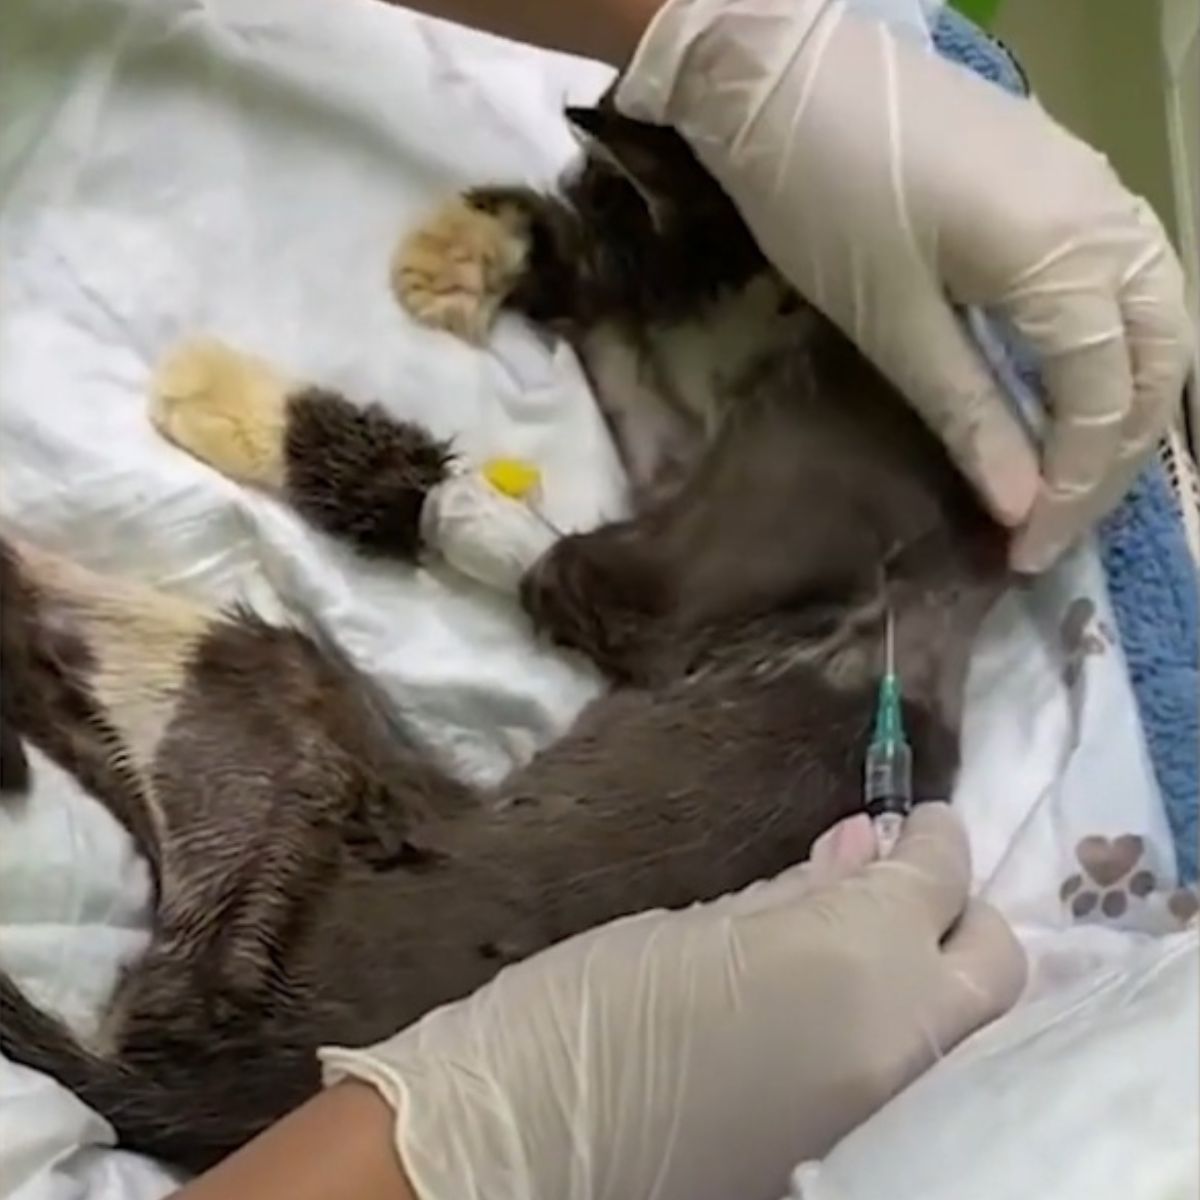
888,774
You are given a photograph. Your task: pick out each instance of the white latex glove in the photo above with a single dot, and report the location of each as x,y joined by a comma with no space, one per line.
885,182
700,1054
1090,1093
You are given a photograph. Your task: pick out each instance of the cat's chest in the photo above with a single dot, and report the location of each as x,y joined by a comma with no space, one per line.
664,388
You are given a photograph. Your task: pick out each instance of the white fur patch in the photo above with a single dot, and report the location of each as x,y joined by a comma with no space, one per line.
703,358
142,641
665,399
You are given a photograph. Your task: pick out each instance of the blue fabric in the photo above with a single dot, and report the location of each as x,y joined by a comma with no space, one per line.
1152,585
1151,578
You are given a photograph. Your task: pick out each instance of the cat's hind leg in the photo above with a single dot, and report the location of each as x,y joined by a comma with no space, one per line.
94,668
354,472
254,768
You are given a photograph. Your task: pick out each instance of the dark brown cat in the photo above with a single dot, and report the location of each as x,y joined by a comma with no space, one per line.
319,878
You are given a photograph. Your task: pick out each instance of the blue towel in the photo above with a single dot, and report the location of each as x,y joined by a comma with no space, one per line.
1151,577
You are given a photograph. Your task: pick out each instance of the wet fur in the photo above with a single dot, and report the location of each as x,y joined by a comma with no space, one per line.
319,878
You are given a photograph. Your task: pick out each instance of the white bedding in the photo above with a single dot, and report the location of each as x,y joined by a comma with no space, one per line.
242,168
1091,1093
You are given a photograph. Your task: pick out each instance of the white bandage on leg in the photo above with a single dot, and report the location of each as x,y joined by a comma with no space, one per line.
483,533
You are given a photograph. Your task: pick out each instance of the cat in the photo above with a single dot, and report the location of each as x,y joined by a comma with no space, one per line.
319,877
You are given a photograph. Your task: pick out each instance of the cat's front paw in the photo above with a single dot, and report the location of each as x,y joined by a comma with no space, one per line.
604,595
456,270
226,408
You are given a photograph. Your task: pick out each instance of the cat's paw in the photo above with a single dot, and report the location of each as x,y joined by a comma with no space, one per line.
226,408
455,271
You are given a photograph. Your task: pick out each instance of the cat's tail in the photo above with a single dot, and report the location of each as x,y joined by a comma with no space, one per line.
190,1112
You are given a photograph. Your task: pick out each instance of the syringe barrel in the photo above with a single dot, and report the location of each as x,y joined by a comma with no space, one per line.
887,784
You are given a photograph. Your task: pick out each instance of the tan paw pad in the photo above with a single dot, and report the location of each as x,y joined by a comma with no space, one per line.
454,271
226,408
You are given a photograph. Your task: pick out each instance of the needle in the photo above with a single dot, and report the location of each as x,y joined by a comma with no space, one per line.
887,782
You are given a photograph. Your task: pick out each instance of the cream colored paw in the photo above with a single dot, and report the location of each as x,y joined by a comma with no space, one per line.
454,272
226,408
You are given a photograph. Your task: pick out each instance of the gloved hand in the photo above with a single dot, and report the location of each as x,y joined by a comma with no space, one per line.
702,1053
886,183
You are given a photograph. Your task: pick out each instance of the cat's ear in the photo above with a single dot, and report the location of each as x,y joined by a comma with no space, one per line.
656,161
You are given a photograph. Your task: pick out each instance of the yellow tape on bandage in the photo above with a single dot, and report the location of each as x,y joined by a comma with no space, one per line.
512,476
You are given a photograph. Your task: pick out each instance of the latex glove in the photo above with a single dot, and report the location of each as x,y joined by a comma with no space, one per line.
1010,1107
885,182
701,1053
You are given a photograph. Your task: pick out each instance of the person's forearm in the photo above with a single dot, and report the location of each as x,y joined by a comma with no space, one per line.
338,1146
608,30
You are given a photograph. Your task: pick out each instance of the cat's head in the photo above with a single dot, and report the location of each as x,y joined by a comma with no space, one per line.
645,186
653,162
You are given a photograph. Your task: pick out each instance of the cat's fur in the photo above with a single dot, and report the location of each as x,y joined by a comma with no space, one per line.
319,878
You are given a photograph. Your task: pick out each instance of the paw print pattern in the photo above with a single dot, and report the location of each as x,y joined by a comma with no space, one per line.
1108,878
1116,884
1183,904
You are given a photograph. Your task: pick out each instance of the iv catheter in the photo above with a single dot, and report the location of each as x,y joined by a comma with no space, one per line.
888,774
